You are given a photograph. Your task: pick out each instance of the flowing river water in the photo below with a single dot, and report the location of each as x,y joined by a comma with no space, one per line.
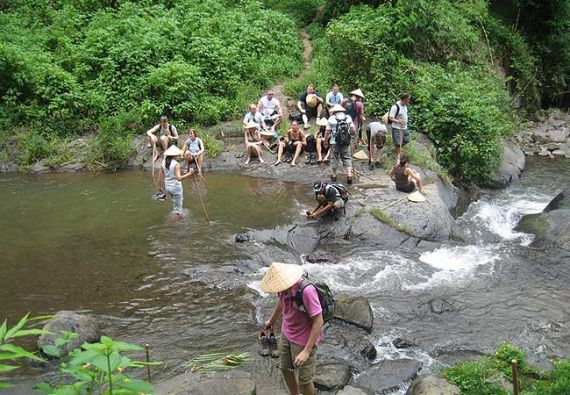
97,243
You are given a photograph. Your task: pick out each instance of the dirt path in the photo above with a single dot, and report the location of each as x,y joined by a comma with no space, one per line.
289,103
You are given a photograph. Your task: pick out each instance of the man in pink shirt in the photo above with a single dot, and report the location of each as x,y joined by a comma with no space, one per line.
301,329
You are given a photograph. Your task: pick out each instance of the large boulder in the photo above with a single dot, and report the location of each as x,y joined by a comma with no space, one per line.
225,383
355,310
510,168
431,385
332,375
350,390
388,374
87,329
551,228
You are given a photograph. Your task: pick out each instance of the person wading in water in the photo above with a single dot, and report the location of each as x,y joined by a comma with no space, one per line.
170,173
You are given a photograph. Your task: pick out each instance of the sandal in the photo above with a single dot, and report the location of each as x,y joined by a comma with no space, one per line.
333,178
309,157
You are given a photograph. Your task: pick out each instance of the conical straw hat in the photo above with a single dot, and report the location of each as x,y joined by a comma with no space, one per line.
337,108
416,197
360,155
281,276
358,93
250,125
267,133
173,151
322,122
312,100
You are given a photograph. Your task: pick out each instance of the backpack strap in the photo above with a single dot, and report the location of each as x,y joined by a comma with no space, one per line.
299,296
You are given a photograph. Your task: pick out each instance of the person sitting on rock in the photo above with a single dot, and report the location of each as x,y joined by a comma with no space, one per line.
254,116
270,109
375,137
193,151
253,142
301,330
406,178
164,133
328,200
293,145
310,104
323,141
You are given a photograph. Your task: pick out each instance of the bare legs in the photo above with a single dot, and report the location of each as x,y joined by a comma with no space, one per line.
253,150
320,143
291,382
188,157
279,152
298,148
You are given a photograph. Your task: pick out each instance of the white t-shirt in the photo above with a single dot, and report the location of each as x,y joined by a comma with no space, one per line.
376,127
332,124
257,118
268,107
334,99
403,115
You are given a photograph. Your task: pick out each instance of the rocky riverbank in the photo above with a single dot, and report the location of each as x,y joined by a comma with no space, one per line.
549,138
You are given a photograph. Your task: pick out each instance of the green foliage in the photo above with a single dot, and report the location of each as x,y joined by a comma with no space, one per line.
382,216
12,352
212,145
54,350
216,362
67,67
100,368
303,11
493,375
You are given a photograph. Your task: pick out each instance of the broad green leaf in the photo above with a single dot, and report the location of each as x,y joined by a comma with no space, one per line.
7,368
43,388
130,386
3,331
41,317
28,332
83,357
122,346
100,362
51,350
114,361
19,352
17,327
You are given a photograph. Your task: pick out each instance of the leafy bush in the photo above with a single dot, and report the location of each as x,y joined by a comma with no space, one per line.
492,375
304,11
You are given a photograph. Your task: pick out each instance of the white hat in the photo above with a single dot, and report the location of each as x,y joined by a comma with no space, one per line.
173,151
416,197
357,92
337,108
250,125
360,155
281,276
322,122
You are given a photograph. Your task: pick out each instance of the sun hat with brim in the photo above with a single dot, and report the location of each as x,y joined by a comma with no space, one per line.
322,122
360,155
312,100
357,92
251,125
280,276
173,151
416,197
266,133
337,108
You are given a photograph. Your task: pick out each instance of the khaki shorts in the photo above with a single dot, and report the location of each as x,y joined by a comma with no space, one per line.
287,354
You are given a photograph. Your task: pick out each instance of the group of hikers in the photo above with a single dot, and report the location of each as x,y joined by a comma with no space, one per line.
339,129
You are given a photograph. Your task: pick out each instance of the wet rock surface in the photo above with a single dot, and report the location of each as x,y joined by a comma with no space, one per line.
355,310
510,168
332,375
226,383
87,329
388,375
432,385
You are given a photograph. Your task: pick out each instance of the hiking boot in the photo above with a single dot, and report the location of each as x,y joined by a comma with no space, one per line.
371,166
273,345
309,157
377,164
349,180
264,343
314,159
333,178
288,158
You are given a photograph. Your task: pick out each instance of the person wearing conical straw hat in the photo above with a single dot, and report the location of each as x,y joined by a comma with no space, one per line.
406,178
301,331
341,153
355,108
170,173
310,104
253,142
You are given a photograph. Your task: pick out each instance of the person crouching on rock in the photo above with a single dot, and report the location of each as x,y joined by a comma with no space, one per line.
253,142
328,200
405,177
301,331
170,173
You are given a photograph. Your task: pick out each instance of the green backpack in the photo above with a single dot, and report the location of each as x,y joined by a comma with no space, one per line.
326,297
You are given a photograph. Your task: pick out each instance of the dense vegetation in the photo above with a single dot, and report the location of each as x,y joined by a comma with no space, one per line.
493,375
66,67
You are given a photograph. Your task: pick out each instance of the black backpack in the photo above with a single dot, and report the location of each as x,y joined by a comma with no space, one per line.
350,107
341,189
296,116
326,297
342,135
396,115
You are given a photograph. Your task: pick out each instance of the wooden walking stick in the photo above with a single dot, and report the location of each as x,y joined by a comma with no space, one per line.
146,349
393,203
516,383
201,200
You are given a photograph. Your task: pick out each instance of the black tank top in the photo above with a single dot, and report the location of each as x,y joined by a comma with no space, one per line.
401,178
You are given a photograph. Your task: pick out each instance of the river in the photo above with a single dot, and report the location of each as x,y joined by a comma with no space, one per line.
97,243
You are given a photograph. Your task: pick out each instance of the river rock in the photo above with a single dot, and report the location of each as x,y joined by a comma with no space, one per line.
431,385
350,390
355,310
403,343
68,321
559,153
348,343
510,168
332,375
551,227
388,374
234,382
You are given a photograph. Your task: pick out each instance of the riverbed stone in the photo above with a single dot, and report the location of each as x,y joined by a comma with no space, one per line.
559,153
332,375
223,383
355,310
387,375
510,168
87,329
403,343
350,390
432,385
